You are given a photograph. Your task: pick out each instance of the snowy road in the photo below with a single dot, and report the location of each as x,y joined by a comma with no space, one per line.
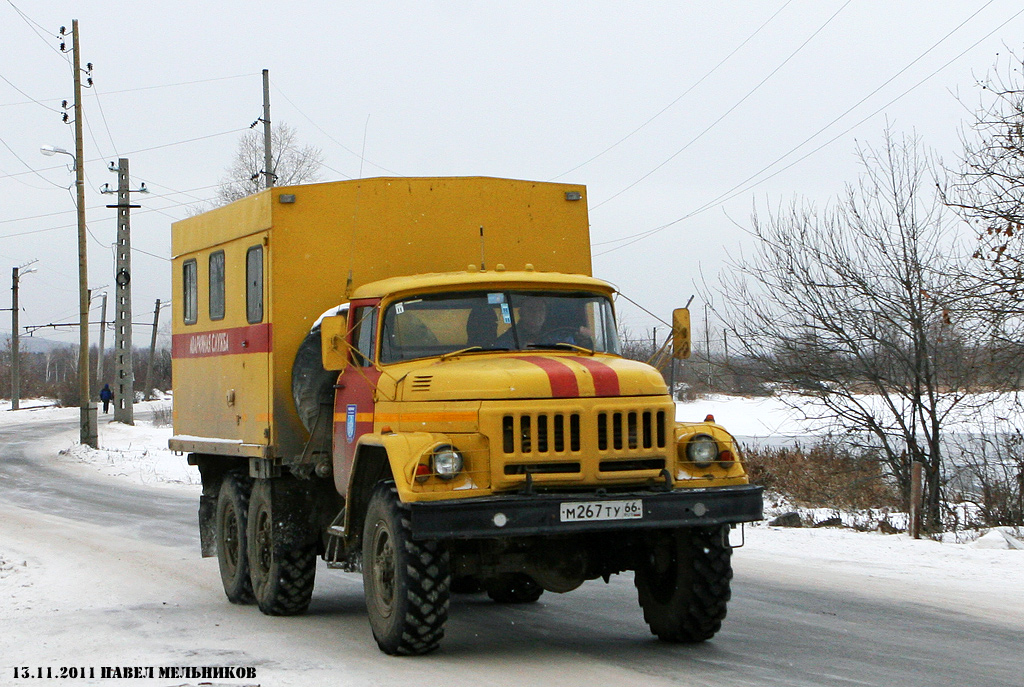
97,572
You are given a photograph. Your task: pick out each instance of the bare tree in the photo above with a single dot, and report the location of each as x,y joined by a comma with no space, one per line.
988,191
293,163
857,308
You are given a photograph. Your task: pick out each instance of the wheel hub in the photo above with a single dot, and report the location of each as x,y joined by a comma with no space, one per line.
384,569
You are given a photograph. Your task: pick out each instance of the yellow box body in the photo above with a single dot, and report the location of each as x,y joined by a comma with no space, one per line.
232,377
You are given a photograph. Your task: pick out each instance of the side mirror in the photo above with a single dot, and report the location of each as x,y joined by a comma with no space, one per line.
681,333
333,349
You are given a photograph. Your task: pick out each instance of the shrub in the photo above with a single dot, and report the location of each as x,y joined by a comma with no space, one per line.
824,475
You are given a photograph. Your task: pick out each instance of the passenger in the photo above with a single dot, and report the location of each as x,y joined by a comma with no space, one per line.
482,327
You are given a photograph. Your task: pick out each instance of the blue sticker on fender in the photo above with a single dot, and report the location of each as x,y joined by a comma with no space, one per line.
350,423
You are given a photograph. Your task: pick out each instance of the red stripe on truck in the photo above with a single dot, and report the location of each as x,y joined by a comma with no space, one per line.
606,380
256,338
561,376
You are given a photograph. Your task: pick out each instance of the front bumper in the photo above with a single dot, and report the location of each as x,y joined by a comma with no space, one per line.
519,515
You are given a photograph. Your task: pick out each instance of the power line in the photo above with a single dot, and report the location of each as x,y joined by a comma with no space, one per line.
95,207
32,24
336,141
683,95
31,170
731,109
146,88
37,102
103,116
68,226
140,150
742,187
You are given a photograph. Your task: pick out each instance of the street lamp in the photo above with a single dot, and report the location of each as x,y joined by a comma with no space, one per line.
50,151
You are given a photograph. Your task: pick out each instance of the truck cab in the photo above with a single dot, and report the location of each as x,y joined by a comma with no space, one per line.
514,432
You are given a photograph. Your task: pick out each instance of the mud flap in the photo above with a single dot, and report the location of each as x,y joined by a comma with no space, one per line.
207,526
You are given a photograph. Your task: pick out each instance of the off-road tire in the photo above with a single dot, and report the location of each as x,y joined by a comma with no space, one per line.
516,588
230,522
282,551
683,583
406,582
312,385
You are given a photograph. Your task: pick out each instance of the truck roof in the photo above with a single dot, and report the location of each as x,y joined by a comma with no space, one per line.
497,278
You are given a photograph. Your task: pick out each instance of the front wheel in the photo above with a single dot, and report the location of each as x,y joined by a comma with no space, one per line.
406,582
683,583
282,550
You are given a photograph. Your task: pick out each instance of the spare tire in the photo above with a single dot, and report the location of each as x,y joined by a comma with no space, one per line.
312,385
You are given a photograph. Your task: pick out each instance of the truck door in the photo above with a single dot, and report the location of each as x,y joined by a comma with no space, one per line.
356,390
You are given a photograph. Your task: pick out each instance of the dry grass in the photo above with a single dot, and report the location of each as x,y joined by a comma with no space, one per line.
824,475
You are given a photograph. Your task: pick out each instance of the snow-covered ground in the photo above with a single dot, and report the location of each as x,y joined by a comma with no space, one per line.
137,453
41,590
792,416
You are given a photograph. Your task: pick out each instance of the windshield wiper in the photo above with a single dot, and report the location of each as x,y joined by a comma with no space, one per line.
469,349
561,345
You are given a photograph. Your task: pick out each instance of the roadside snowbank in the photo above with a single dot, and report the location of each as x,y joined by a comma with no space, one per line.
137,452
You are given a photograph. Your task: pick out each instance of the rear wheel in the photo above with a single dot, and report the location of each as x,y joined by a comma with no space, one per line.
406,582
231,517
683,583
282,550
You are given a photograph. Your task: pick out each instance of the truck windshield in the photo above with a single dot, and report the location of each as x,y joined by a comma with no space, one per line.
437,324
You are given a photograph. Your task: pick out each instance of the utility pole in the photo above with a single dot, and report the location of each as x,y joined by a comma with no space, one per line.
124,370
103,332
89,431
152,351
268,158
707,342
16,276
15,361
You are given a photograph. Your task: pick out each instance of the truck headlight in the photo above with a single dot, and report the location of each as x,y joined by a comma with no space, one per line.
446,461
702,450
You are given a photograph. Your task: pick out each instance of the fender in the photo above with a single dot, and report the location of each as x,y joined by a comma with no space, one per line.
380,457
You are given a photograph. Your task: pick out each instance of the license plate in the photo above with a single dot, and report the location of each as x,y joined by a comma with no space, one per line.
590,511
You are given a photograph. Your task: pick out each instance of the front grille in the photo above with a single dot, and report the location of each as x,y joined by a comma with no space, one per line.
597,442
540,433
631,430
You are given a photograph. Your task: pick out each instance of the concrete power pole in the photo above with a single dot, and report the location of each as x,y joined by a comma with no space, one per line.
124,370
268,158
152,351
103,332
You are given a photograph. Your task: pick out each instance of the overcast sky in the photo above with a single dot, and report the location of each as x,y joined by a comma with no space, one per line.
682,113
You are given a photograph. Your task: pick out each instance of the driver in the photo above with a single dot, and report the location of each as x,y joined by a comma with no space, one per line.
533,314
529,325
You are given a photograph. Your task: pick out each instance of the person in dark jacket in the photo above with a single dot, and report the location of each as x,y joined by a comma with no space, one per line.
106,395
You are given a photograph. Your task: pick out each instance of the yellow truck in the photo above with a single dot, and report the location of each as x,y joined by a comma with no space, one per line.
418,379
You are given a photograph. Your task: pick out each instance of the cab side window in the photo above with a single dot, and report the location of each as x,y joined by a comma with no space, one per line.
217,285
364,331
254,284
190,281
